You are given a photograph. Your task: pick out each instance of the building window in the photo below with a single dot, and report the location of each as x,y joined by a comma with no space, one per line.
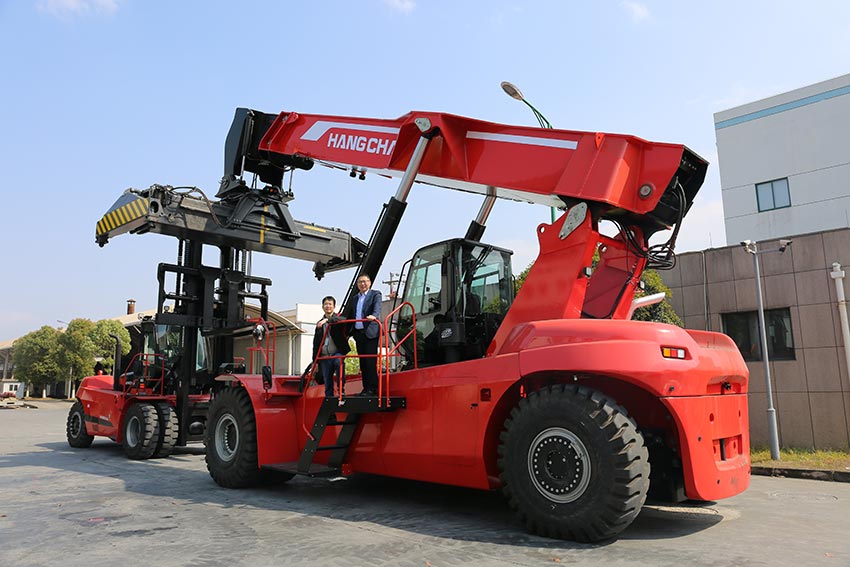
773,195
743,328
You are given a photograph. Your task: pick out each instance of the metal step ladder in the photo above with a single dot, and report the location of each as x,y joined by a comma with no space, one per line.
353,407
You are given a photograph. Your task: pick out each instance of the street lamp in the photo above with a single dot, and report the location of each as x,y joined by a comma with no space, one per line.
513,91
772,430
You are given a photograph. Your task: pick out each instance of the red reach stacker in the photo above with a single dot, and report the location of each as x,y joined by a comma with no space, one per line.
552,395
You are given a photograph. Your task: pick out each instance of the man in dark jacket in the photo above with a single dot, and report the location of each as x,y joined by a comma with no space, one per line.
335,343
366,305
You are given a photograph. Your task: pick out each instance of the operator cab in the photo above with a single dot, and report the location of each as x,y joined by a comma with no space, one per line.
167,340
460,291
162,347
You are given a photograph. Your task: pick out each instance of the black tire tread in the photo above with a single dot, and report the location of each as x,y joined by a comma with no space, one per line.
622,502
243,470
149,434
169,429
81,439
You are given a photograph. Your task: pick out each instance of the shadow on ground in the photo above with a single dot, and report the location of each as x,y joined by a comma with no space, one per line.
418,507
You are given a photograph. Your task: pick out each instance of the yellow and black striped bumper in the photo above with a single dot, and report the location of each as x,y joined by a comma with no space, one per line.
126,210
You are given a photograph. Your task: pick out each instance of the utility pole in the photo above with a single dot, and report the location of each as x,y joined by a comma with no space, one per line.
394,279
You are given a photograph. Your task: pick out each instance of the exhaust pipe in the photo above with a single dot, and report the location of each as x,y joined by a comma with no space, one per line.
116,367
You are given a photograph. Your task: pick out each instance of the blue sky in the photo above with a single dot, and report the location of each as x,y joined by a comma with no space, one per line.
102,95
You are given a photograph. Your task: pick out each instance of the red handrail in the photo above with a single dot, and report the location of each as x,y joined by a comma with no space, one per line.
385,375
142,380
359,355
319,357
381,357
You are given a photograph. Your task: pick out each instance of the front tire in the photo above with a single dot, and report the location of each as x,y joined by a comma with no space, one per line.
573,464
75,427
141,431
231,440
169,429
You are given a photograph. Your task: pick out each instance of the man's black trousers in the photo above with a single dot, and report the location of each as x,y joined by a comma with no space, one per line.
368,365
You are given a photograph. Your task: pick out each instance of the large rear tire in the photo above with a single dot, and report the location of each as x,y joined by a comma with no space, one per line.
573,464
231,440
141,431
75,428
169,429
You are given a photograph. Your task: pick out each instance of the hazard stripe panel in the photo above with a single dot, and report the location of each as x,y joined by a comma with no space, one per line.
122,215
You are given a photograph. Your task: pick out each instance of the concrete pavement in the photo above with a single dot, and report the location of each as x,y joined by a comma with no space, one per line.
92,507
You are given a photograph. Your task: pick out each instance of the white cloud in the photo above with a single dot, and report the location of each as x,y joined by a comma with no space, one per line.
403,6
638,11
65,8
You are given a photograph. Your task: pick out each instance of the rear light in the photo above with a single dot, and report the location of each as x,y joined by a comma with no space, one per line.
672,352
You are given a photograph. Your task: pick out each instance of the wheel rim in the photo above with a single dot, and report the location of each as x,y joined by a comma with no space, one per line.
133,431
226,437
76,425
559,465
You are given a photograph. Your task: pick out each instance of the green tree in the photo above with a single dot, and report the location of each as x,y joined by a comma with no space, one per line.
36,357
352,363
520,279
76,348
661,312
104,345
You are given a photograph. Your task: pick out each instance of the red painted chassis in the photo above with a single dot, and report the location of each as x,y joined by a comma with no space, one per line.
450,428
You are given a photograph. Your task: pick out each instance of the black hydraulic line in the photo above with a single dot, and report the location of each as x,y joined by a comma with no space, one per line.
378,245
390,218
178,283
116,365
193,286
223,346
475,231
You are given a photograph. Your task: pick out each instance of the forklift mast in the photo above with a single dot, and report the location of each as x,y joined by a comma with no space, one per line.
208,301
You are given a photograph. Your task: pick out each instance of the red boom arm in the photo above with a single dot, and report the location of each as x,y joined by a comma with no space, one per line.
624,175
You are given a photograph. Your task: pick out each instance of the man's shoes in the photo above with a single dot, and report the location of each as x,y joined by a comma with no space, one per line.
367,394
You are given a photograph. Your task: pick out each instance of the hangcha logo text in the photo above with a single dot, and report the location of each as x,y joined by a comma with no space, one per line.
376,144
382,146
